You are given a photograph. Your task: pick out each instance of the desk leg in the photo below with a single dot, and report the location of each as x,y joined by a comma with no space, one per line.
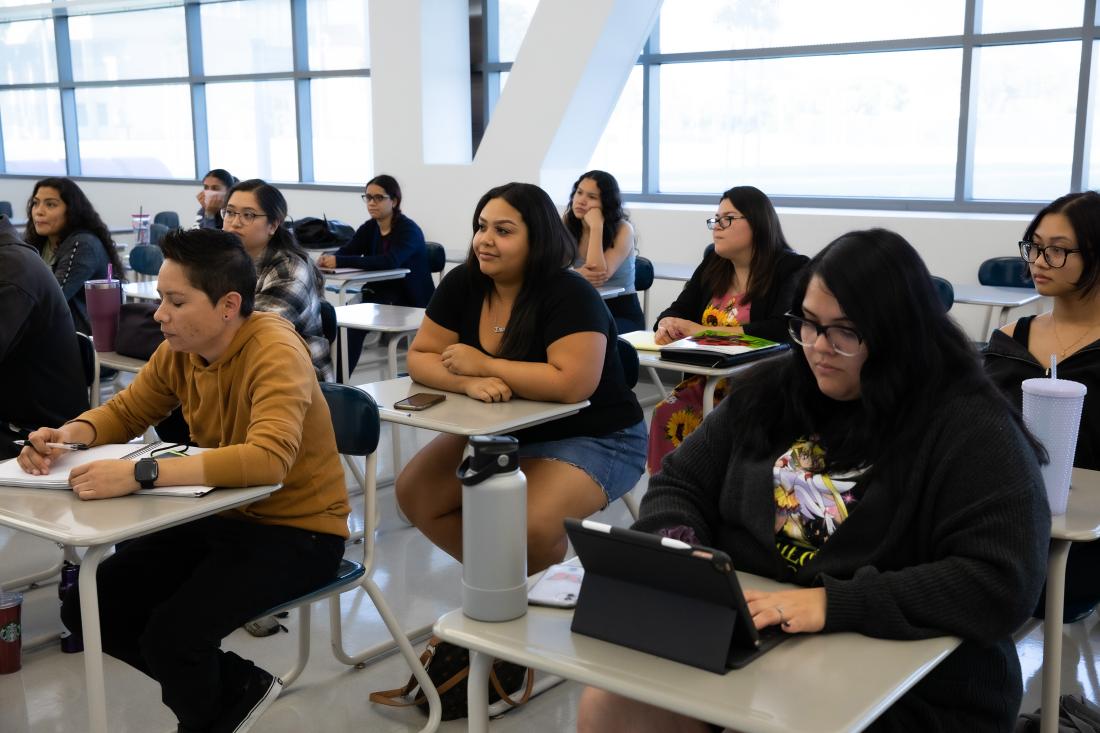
1052,634
346,378
988,323
391,355
477,693
93,643
708,395
342,295
1003,317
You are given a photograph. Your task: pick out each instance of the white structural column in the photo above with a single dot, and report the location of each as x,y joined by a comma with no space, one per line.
567,76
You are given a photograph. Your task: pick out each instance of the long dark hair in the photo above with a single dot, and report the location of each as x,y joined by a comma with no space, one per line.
768,245
392,188
80,216
227,178
611,202
917,358
1083,211
273,204
550,250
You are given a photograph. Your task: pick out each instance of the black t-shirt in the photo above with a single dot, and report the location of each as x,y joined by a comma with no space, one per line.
571,305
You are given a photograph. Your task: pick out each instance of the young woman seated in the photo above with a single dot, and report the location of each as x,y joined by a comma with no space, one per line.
215,187
1061,244
881,474
743,285
605,244
515,321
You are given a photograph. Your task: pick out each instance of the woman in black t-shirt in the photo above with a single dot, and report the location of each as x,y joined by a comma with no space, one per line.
514,320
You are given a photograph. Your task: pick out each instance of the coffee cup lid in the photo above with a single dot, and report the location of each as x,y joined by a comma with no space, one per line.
10,598
102,284
1054,387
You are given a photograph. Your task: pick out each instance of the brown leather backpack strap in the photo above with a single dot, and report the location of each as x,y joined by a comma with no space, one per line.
528,688
390,697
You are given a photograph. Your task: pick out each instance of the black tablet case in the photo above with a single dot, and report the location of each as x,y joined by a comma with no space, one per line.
717,360
662,602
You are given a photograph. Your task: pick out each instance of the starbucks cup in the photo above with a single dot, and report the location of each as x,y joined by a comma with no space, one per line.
1052,412
11,632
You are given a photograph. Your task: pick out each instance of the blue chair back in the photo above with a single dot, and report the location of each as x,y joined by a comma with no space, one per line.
6,210
1007,272
169,219
146,259
946,292
643,273
156,233
629,358
354,419
437,256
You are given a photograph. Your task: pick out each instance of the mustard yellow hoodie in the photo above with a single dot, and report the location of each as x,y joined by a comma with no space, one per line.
260,408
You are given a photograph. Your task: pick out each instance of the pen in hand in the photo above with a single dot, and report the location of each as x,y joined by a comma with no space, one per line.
59,446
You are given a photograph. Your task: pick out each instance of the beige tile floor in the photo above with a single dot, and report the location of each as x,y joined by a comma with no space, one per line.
419,581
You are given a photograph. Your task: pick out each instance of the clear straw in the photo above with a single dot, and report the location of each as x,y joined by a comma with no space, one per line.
1053,366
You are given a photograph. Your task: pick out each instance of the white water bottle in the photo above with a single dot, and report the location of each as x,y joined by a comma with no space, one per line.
494,530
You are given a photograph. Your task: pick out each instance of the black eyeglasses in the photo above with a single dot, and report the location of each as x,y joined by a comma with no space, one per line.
1054,255
373,198
722,222
845,341
246,217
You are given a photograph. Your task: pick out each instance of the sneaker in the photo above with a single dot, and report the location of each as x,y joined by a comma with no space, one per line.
260,691
265,626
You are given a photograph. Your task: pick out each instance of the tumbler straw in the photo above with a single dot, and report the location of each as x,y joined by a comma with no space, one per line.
1053,366
110,271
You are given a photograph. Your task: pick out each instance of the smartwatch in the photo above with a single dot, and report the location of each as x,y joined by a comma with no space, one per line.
146,472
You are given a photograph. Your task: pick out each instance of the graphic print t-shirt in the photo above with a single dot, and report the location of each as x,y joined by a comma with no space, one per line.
810,504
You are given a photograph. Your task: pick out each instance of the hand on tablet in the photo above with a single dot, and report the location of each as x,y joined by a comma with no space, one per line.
795,611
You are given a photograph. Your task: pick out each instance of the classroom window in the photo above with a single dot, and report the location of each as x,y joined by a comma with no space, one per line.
29,53
1024,120
515,17
342,130
246,37
252,128
338,34
1000,16
619,151
33,140
136,131
138,45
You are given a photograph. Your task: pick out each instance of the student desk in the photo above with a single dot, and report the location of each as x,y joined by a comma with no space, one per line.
1080,523
652,360
58,515
459,414
144,290
395,319
994,297
340,283
608,292
780,691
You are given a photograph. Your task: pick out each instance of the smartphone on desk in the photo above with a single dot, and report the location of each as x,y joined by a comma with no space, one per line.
416,402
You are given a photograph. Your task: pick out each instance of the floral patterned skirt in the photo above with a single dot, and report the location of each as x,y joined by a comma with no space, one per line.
676,416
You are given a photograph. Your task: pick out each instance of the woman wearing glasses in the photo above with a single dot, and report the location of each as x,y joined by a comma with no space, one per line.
287,280
1060,244
743,285
892,486
388,240
605,244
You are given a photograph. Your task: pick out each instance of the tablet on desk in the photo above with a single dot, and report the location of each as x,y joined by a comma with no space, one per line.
664,597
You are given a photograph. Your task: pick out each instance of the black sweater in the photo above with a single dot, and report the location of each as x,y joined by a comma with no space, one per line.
957,547
766,312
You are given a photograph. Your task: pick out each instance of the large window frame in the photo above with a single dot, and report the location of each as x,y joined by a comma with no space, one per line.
300,74
488,67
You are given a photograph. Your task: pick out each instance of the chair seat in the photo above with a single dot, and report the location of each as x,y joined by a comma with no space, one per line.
348,573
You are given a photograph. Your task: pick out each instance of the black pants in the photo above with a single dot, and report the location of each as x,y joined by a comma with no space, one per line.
167,600
627,312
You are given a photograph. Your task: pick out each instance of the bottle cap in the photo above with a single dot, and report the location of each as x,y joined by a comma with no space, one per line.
492,454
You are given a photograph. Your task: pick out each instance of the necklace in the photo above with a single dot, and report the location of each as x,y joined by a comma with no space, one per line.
1067,349
498,329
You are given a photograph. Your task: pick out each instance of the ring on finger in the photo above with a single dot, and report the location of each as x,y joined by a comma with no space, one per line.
781,619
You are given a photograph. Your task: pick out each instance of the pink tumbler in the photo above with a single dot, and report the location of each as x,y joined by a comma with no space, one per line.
103,299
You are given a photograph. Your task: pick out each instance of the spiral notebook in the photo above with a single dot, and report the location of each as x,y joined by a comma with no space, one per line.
11,474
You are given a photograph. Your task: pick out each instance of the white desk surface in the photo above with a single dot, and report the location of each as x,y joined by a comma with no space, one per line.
384,318
653,359
755,699
365,276
144,290
1081,522
606,292
994,296
673,271
58,515
122,363
462,415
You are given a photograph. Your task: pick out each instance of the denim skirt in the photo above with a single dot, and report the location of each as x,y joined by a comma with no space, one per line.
614,461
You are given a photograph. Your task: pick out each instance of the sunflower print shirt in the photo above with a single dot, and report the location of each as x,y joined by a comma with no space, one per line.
810,504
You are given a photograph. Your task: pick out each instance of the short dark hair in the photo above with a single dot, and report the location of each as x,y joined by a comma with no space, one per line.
1083,211
227,178
550,249
611,203
80,215
215,262
768,245
392,188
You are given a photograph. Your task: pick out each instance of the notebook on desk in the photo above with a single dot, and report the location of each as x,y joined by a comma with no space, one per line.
718,350
11,474
664,597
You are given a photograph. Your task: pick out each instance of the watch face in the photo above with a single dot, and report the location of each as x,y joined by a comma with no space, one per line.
146,471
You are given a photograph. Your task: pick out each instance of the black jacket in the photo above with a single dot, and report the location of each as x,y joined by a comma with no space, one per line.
407,249
767,311
42,379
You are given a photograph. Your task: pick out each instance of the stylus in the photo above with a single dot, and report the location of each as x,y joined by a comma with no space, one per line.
676,544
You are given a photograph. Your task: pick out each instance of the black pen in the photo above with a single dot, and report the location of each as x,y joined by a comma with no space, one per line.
60,446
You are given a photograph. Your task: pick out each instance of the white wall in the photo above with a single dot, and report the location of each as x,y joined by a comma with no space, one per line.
543,131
